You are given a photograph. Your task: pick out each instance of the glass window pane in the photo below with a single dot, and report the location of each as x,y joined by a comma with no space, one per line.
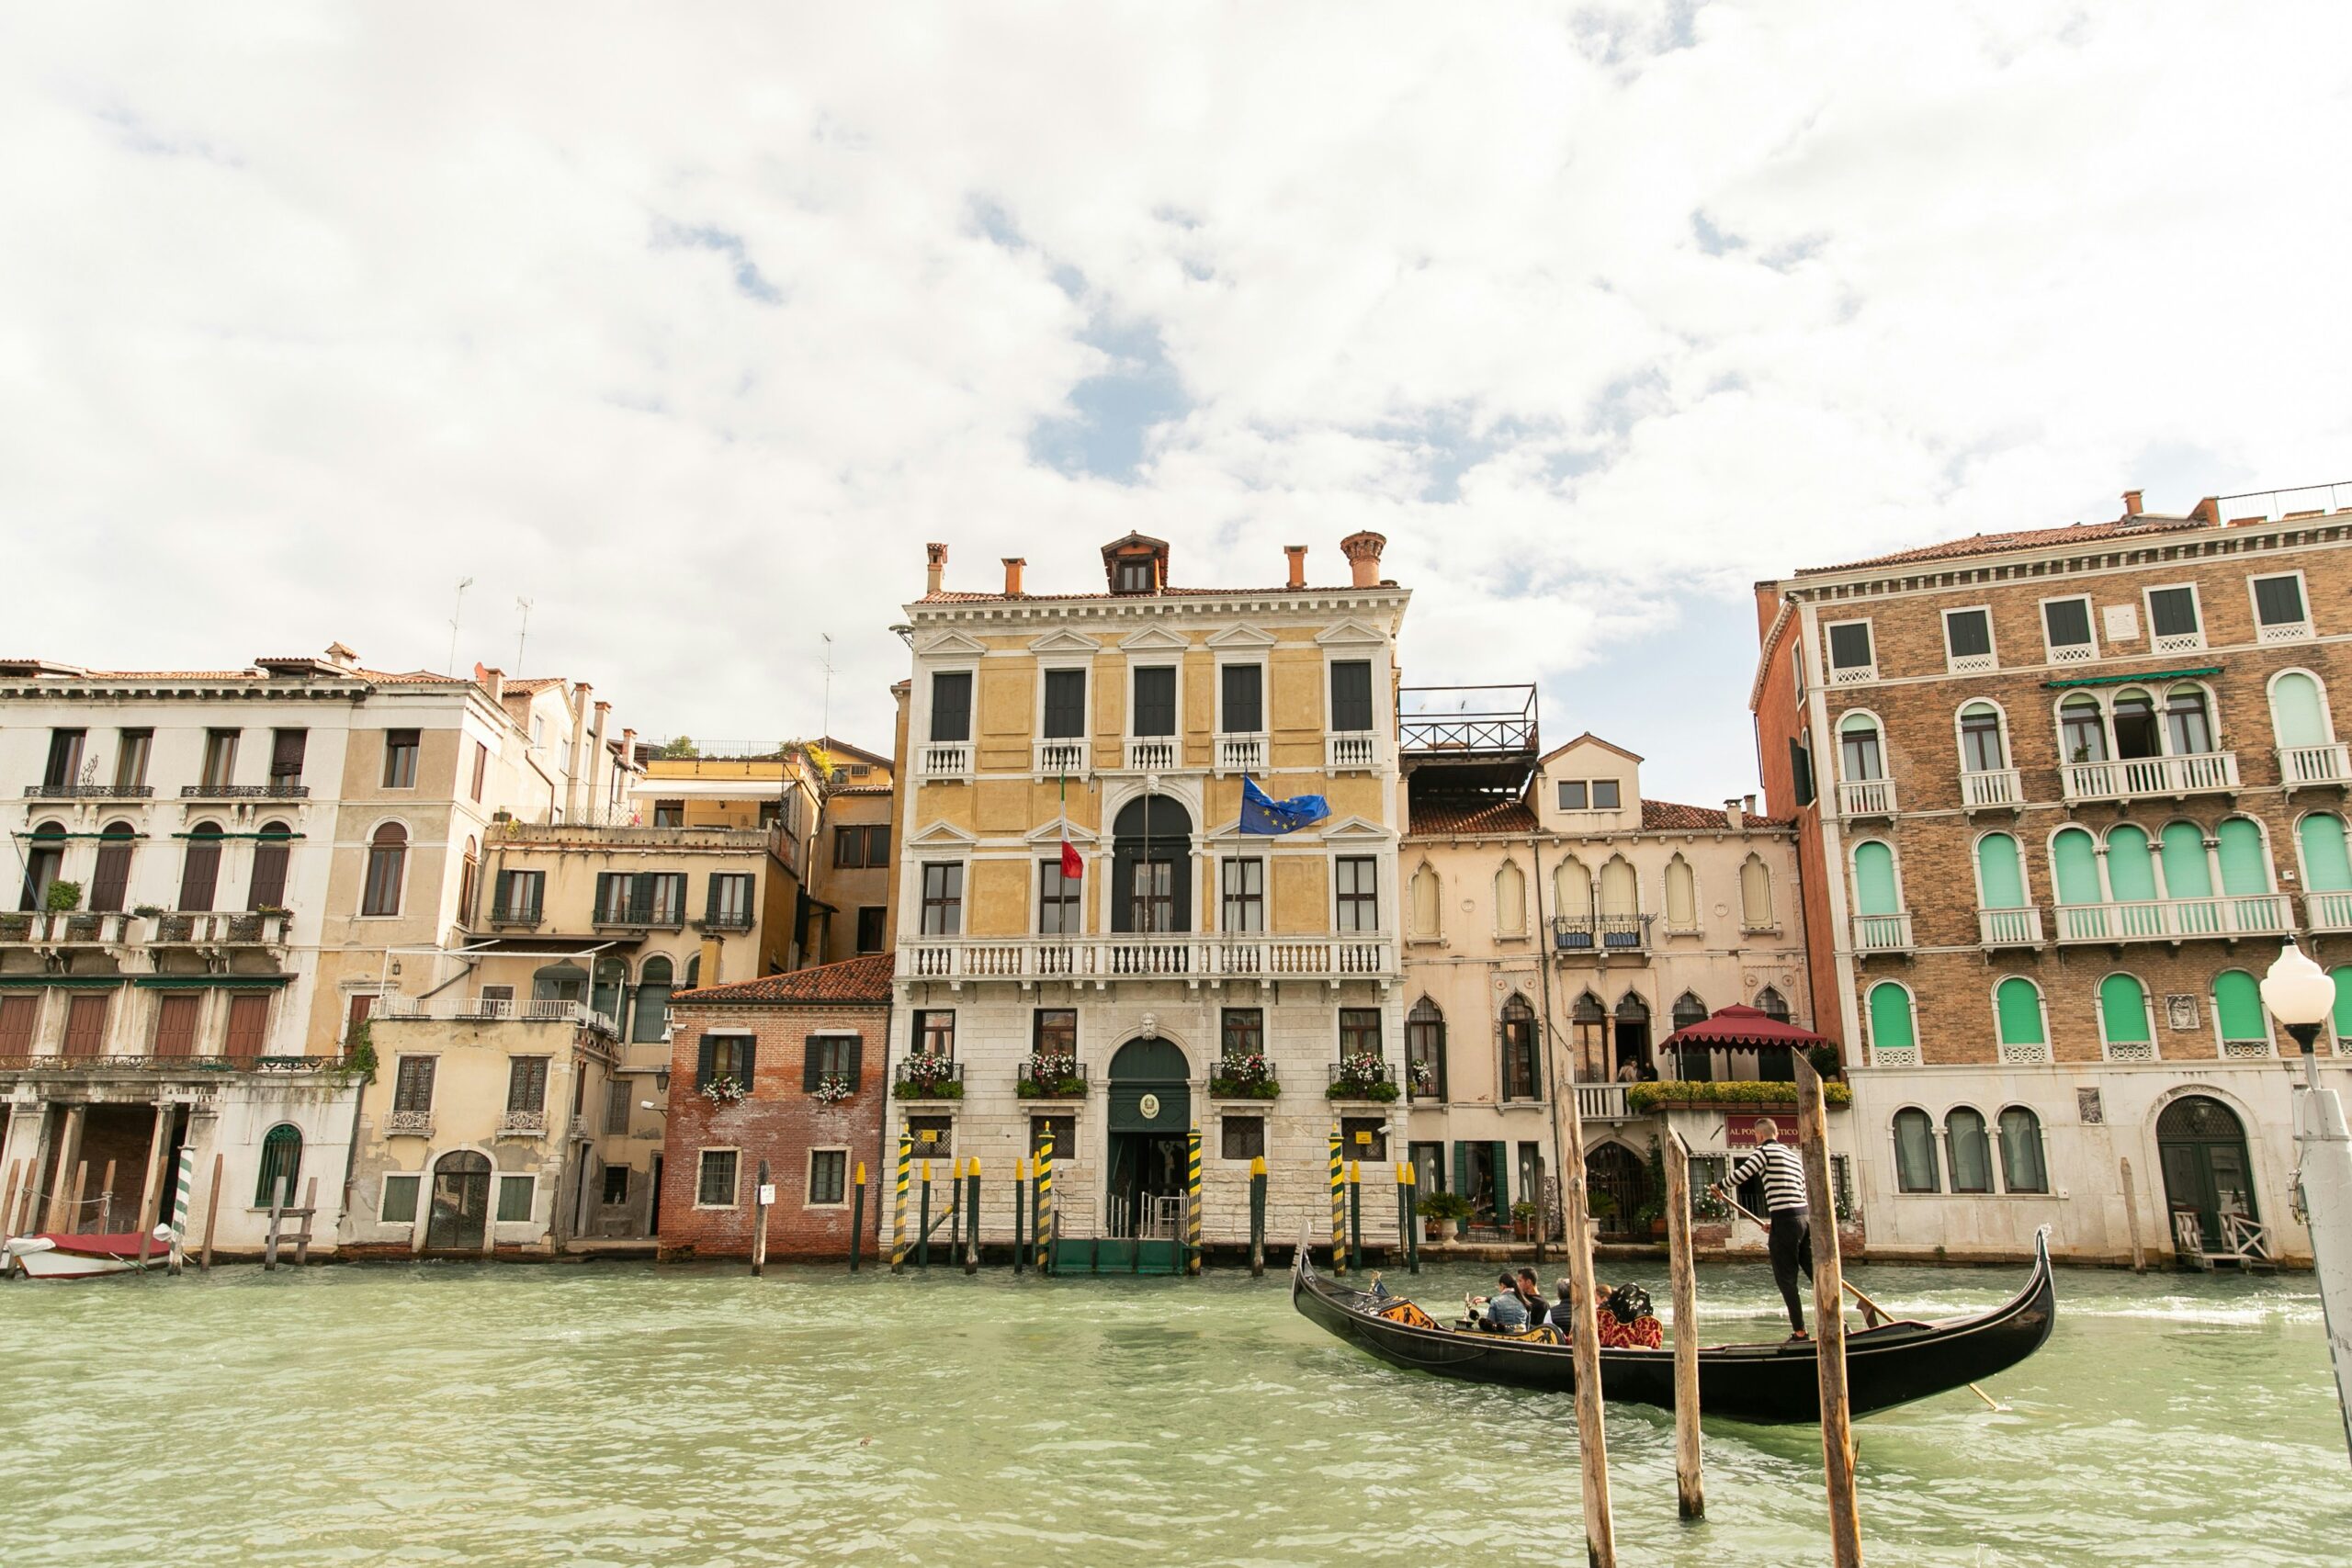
1971,1153
1604,795
2021,1166
1914,1152
514,1197
400,1200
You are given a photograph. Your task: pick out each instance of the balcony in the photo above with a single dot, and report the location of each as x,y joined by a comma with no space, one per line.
1063,756
492,1009
1576,935
727,921
944,759
1366,1077
275,789
89,791
2303,766
79,928
516,915
639,917
190,930
1153,753
2175,919
1883,933
1602,1102
1195,957
522,1124
1482,738
1866,797
2152,778
1241,753
406,1125
1994,789
2328,911
1054,1076
155,1067
1244,1077
1355,751
923,1076
2010,927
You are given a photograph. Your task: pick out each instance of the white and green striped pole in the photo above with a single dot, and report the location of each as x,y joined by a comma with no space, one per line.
183,1191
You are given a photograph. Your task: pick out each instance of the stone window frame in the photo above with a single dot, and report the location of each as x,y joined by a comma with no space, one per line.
735,1176
809,1178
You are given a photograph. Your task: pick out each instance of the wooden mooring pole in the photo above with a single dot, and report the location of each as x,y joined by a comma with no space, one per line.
1592,1443
1412,1219
2132,1221
1020,1207
105,1201
857,1218
212,1212
972,1221
73,1226
1829,1323
309,1207
1339,1207
1048,1223
1193,1201
1689,1490
277,1217
956,1210
1257,1216
760,1223
8,1203
1355,1215
922,1222
151,1191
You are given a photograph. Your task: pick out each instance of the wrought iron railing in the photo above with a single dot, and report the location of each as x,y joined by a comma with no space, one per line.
1600,933
276,789
88,792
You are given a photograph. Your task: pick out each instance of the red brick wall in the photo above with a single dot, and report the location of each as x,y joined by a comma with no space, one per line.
780,1122
1780,717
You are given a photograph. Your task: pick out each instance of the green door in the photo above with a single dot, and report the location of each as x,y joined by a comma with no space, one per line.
1150,1114
2201,1146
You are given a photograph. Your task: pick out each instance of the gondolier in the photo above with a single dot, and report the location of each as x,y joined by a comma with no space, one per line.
1790,1210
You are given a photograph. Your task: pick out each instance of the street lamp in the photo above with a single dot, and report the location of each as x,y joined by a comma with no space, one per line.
2301,996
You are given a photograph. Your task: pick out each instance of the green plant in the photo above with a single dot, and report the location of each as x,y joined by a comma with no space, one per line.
1600,1205
1524,1212
1644,1098
148,911
63,896
1445,1206
1825,1061
359,1051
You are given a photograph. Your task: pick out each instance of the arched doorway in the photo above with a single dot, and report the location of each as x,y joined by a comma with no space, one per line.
1633,1041
1151,1110
460,1203
2201,1145
1617,1172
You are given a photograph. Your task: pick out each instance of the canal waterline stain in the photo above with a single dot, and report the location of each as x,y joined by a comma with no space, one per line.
623,1413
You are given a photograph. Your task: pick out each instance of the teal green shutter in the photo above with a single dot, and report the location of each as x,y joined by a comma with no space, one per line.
2327,868
2244,867
2186,873
2018,1007
2131,870
2238,999
2076,859
1891,1018
2296,713
1997,869
2342,975
1502,1183
1874,879
1461,1168
2123,1004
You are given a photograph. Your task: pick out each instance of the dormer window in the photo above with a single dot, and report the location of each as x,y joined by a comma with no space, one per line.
1134,576
1135,564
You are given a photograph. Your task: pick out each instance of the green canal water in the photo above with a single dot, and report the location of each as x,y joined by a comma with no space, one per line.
624,1413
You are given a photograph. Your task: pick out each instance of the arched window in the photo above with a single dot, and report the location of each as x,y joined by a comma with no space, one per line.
200,868
559,982
1619,890
469,874
694,973
1756,895
1633,1029
1860,756
2000,873
2134,720
2299,716
650,1020
2082,734
282,1160
2130,864
1510,901
1689,1010
2017,1017
44,863
271,851
1425,1050
387,864
1980,750
2188,721
2181,847
1914,1152
1771,1004
604,995
2327,866
1971,1150
2124,1022
111,885
1681,895
1874,889
1520,1080
2237,1014
2074,859
1573,884
2022,1166
2246,863
1425,901
1891,1026
1151,880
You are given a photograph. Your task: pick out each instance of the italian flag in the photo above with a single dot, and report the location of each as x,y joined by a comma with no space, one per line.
1073,868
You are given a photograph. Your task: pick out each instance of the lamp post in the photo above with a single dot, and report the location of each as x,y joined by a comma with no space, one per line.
2301,996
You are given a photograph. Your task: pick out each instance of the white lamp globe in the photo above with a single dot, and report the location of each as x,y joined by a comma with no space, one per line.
2297,990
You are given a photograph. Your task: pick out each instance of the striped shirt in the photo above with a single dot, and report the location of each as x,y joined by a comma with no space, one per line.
1783,1175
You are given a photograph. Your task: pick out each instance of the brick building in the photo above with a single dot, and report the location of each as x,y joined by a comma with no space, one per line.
2060,795
788,1071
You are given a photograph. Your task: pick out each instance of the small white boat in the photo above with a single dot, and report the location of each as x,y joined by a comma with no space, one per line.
53,1257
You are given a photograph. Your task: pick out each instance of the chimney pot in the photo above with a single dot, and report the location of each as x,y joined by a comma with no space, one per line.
1012,565
935,561
1362,550
1731,812
2132,503
1297,554
1747,804
492,679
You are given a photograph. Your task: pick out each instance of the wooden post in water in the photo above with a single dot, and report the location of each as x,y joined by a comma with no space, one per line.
276,1216
922,1222
212,1212
310,1208
105,1201
1403,1236
1412,1219
972,1221
150,1194
857,1218
8,1203
81,1185
1257,1216
183,1195
2132,1221
760,1223
1592,1440
899,1227
1019,1202
955,1208
1339,1207
1688,1486
1829,1323
63,1220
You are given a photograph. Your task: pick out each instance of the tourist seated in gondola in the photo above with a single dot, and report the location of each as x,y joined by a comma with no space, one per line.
1563,1313
1531,1296
1503,1312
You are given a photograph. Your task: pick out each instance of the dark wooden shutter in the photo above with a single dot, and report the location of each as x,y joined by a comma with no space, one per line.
951,705
1502,1183
1244,708
812,1066
176,1026
856,1060
269,873
286,748
706,1055
17,1015
248,1024
1154,700
1351,695
1065,704
113,879
749,1050
201,873
1461,1168
1801,772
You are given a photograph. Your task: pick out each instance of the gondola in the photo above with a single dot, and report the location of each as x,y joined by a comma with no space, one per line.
1769,1385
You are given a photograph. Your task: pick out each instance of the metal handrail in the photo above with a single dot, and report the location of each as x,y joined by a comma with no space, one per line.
273,790
88,792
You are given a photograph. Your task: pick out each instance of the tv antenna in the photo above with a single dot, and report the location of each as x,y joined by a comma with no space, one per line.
457,615
523,636
825,721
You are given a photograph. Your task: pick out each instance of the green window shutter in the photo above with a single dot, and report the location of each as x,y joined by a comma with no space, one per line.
2075,860
2342,975
2019,1007
2123,1005
281,1160
705,1060
1502,1183
1997,869
2297,715
1891,1018
2186,874
2130,869
2244,867
2237,999
2327,867
1874,879
1461,1169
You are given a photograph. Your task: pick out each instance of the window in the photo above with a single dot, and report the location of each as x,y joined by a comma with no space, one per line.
1850,655
943,897
64,758
2067,630
1364,1138
1772,1004
2023,1169
1590,794
1681,895
1242,1032
1242,1137
248,1029
935,1032
1605,795
728,901
175,1016
651,1021
869,926
1242,688
2174,625
1065,704
2082,735
1573,795
515,1198
200,868
1519,1049
1358,894
1053,1032
2278,611
399,758
1061,1131
2188,726
1350,694
1134,575
111,883
19,1013
1971,1151
659,897
270,851
2125,1024
2298,719
668,814
1423,893
1358,1032
827,1178
86,1024
617,1109
130,759
1244,879
1755,894
482,770
527,1086
1914,1152
1891,1024
1510,901
615,1186
1688,1010
934,1137
725,1056
1858,749
1801,771
2238,1016
387,861
413,1084
1058,906
877,846
278,1180
1425,1050
848,848
951,705
1968,641
515,899
2000,873
1155,703
220,758
399,1205
1980,750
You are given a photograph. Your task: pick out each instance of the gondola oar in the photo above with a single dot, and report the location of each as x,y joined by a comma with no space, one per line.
1873,1315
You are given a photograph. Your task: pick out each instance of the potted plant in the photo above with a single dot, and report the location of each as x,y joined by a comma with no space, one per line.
1050,1075
1522,1219
1442,1211
723,1090
926,1075
1248,1076
1364,1076
834,1087
1825,1061
63,898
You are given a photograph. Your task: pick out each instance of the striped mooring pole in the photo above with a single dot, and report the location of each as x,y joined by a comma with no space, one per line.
1257,1215
183,1196
1408,1198
1192,1206
857,1218
972,1220
1355,1215
1339,1207
898,1227
922,1222
1045,1221
1020,1199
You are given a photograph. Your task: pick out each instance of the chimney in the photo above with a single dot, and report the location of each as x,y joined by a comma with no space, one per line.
490,679
2132,503
1747,804
935,556
1297,554
1012,565
1732,813
1362,550
2208,511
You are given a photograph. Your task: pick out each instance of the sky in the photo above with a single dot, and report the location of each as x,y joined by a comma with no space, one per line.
691,327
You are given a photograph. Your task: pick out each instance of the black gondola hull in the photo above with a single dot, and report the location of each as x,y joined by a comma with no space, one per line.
1769,1384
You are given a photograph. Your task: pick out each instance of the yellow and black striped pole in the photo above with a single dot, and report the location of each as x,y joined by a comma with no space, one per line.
898,1228
1192,1192
857,1219
1257,1215
1355,1213
1339,1208
1045,1205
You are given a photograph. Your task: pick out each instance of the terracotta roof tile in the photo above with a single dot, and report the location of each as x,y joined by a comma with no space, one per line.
1657,815
863,789
865,979
952,596
2023,539
1438,817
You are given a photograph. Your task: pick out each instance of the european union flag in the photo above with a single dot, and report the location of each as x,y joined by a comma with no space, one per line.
1260,813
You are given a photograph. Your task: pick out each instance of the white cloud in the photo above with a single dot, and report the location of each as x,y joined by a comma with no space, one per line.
692,328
